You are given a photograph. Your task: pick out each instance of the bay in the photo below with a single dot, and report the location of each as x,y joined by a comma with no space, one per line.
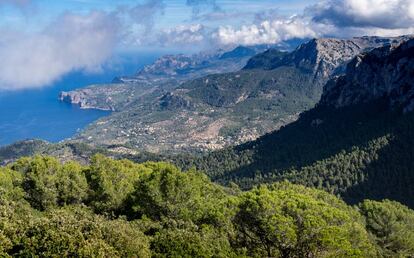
38,114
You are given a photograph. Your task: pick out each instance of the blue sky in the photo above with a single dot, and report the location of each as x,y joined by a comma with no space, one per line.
39,13
42,40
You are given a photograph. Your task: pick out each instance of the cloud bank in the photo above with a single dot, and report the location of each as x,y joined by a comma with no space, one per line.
182,35
266,32
385,14
341,18
142,14
72,42
87,41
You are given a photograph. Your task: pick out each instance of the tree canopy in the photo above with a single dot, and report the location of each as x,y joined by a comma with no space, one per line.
113,208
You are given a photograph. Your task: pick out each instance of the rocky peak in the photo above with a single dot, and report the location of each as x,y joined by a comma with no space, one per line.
386,72
323,56
326,56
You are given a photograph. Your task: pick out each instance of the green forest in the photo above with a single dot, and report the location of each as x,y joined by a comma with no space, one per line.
359,152
118,208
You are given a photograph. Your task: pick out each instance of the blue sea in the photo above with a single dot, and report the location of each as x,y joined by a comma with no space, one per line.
37,113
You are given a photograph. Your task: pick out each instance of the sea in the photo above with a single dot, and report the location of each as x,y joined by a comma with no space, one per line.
38,114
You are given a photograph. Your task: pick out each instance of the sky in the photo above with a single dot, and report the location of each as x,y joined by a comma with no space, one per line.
42,40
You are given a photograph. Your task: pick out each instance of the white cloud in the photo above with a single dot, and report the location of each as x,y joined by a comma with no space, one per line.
73,42
266,32
385,14
340,18
85,42
182,35
143,15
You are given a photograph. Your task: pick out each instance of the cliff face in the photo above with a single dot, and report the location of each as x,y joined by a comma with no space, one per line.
386,72
111,97
321,57
87,99
81,99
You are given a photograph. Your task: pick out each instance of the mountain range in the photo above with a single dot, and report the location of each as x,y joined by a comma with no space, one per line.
355,142
171,106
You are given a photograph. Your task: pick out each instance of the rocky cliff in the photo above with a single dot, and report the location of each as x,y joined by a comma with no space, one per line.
322,57
386,72
111,97
86,99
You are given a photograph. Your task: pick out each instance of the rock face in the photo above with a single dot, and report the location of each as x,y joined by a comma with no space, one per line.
111,97
86,99
321,57
386,72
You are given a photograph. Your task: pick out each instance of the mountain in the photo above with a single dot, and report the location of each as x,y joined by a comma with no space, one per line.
153,80
384,72
265,60
238,52
357,142
186,67
220,110
116,96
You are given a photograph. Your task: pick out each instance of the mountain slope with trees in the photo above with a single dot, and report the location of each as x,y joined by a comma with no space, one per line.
357,142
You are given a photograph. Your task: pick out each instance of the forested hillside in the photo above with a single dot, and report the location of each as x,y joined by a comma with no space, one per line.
357,143
123,209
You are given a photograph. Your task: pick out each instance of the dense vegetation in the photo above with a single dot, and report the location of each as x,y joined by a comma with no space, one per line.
124,209
359,152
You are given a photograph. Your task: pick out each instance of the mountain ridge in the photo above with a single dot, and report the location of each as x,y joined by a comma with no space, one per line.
355,150
164,74
388,70
219,110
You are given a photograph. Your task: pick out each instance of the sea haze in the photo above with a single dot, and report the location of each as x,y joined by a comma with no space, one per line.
37,113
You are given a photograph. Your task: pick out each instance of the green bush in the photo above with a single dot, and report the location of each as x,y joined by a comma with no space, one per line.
122,209
111,181
392,226
290,221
